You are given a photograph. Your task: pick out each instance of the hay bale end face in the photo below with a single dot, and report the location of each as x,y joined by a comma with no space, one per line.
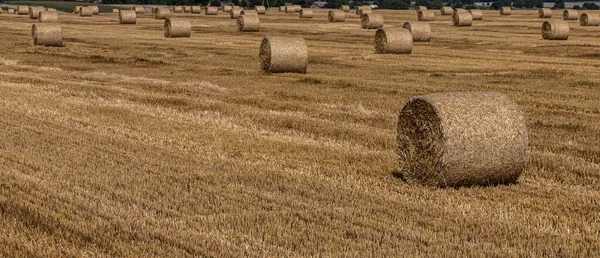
570,15
425,15
248,23
446,10
555,30
462,19
345,8
177,28
48,16
161,13
127,17
306,13
211,10
421,31
260,9
505,11
393,41
47,34
462,139
34,11
283,55
545,13
86,12
476,14
371,21
336,16
235,13
589,19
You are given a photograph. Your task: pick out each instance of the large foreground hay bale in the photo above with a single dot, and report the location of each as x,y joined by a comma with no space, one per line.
505,11
570,15
589,19
196,9
22,10
177,28
446,10
393,41
48,16
34,11
127,16
47,34
421,31
283,54
425,16
290,9
461,139
371,21
95,9
336,16
462,19
476,14
211,10
249,12
545,13
555,30
86,12
161,13
345,8
260,9
306,13
248,23
235,13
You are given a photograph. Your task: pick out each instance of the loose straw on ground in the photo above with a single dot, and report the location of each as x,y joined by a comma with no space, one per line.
421,31
393,41
589,19
127,16
545,13
476,14
555,30
371,21
570,15
48,16
336,16
462,19
47,34
283,54
306,13
177,28
248,23
425,15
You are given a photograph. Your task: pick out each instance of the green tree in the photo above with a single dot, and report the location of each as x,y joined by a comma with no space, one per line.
559,4
437,4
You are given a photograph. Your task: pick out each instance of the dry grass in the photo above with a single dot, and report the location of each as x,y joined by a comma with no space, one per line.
125,143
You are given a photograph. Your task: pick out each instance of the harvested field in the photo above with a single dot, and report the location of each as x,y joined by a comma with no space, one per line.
126,143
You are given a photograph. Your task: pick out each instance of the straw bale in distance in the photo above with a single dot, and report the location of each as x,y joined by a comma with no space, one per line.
393,41
187,9
306,13
34,11
446,10
461,139
421,31
248,23
505,11
177,9
161,13
127,16
177,28
371,21
235,13
570,15
365,7
462,19
345,8
115,10
589,19
336,16
10,11
47,34
283,54
425,15
211,10
555,30
76,9
249,12
476,14
290,9
86,12
282,9
297,8
48,16
364,11
459,10
545,13
51,9
196,9
260,9
95,9
22,10
227,8
421,8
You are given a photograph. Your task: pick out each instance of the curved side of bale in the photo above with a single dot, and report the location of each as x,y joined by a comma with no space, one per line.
177,28
95,9
393,41
462,19
235,13
283,54
86,12
195,9
227,8
364,11
555,30
570,15
34,11
421,31
476,14
249,12
336,16
211,10
306,13
364,7
260,9
461,139
589,19
446,10
179,9
47,34
345,8
282,9
505,11
127,16
138,9
297,8
48,16
161,13
76,9
545,13
425,16
290,9
248,23
371,21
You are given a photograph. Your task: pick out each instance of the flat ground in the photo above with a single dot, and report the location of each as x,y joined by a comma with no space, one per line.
124,143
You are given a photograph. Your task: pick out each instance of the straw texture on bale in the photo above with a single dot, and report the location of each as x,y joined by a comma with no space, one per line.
589,19
462,19
421,8
297,8
446,10
48,16
127,16
371,21
462,139
290,9
364,11
365,7
235,13
22,10
505,11
179,9
545,13
425,16
34,12
459,10
260,9
555,30
421,31
138,9
345,8
76,9
86,12
196,9
393,41
161,13
476,14
283,54
570,15
177,28
248,23
306,13
187,9
47,34
336,16
282,9
95,9
227,8
211,10
249,12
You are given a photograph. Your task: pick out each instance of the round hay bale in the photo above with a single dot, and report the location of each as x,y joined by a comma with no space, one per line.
421,8
178,9
115,10
51,9
227,8
336,16
10,11
306,13
555,30
282,9
76,9
570,15
589,19
297,8
365,7
127,16
371,21
283,54
260,9
211,10
545,13
345,8
476,14
86,12
161,13
195,9
364,11
47,34
425,16
505,10
22,10
177,28
34,11
446,10
235,13
48,16
248,23
462,138
393,41
95,9
187,9
138,9
459,10
421,31
249,12
462,19
290,9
